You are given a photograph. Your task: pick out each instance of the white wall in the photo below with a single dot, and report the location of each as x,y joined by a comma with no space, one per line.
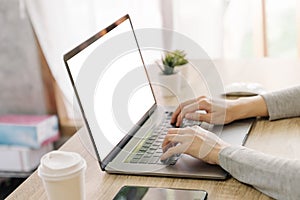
21,89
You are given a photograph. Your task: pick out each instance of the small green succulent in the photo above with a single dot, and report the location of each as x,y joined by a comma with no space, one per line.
173,59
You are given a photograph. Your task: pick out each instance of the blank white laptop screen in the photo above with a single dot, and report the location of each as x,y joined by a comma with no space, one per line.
122,94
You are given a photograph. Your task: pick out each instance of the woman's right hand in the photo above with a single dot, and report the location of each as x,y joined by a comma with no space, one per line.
194,141
219,111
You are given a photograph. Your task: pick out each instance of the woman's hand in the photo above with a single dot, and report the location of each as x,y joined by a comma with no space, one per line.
219,111
193,141
215,112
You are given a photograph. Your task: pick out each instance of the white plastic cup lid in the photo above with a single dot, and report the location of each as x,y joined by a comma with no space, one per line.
60,165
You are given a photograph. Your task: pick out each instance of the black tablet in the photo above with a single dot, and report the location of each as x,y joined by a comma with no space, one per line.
147,193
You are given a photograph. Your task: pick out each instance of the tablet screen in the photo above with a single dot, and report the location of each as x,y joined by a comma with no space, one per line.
147,193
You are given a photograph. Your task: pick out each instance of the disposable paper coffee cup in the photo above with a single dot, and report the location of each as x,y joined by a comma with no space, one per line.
63,175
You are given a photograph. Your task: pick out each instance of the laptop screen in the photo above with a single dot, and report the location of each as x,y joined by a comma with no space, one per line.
112,87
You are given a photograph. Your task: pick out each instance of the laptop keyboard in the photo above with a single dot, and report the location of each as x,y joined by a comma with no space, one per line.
149,150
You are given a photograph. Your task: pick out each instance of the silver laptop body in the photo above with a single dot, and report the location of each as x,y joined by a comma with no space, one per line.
119,129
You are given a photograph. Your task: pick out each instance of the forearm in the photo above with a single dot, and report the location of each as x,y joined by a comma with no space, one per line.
277,105
247,107
283,103
276,177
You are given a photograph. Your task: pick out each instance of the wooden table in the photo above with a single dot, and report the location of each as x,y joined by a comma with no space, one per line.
280,138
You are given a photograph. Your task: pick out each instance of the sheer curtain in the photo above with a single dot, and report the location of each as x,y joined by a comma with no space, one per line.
239,24
201,21
60,25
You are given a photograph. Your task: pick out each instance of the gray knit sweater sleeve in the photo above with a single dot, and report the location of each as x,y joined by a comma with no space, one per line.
283,103
276,177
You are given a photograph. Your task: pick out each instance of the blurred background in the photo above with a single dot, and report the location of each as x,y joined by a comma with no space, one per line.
35,34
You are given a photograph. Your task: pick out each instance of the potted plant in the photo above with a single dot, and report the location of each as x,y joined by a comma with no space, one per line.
169,78
172,60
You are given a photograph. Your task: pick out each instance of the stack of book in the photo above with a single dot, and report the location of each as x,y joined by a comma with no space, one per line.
24,139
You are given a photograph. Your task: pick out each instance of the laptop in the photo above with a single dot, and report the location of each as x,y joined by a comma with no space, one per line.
121,114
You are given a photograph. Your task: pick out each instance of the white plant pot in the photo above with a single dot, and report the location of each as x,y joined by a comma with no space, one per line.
170,84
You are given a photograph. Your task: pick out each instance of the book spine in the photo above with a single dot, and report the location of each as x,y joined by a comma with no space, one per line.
10,159
33,136
21,159
18,135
